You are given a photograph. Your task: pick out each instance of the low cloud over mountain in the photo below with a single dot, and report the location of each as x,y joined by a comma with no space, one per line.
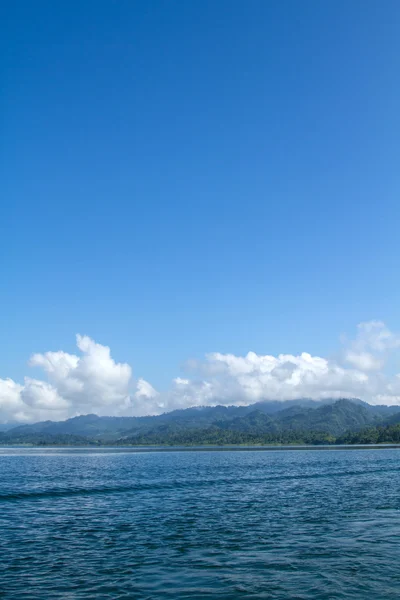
92,381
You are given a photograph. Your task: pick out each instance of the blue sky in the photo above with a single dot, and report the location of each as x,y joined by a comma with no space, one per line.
188,177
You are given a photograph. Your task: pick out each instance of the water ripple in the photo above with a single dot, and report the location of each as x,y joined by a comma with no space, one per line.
288,525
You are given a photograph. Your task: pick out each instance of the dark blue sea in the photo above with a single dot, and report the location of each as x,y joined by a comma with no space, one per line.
313,524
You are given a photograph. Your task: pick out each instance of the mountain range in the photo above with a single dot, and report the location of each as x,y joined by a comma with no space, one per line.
297,421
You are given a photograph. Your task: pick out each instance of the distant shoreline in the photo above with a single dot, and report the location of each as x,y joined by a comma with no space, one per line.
205,448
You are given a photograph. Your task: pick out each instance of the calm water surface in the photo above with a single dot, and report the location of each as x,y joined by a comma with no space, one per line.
225,525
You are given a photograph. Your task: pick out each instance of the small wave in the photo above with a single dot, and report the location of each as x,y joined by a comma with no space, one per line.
173,484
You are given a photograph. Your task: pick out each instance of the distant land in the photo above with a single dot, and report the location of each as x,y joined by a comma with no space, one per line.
297,422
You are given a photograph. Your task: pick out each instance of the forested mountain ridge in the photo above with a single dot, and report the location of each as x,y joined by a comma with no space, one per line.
296,422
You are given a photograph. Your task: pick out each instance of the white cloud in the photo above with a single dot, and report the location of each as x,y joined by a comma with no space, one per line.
92,381
371,346
365,361
11,403
240,380
145,390
42,395
180,381
146,400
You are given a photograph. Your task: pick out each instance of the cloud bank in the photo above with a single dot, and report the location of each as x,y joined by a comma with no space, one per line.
93,382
